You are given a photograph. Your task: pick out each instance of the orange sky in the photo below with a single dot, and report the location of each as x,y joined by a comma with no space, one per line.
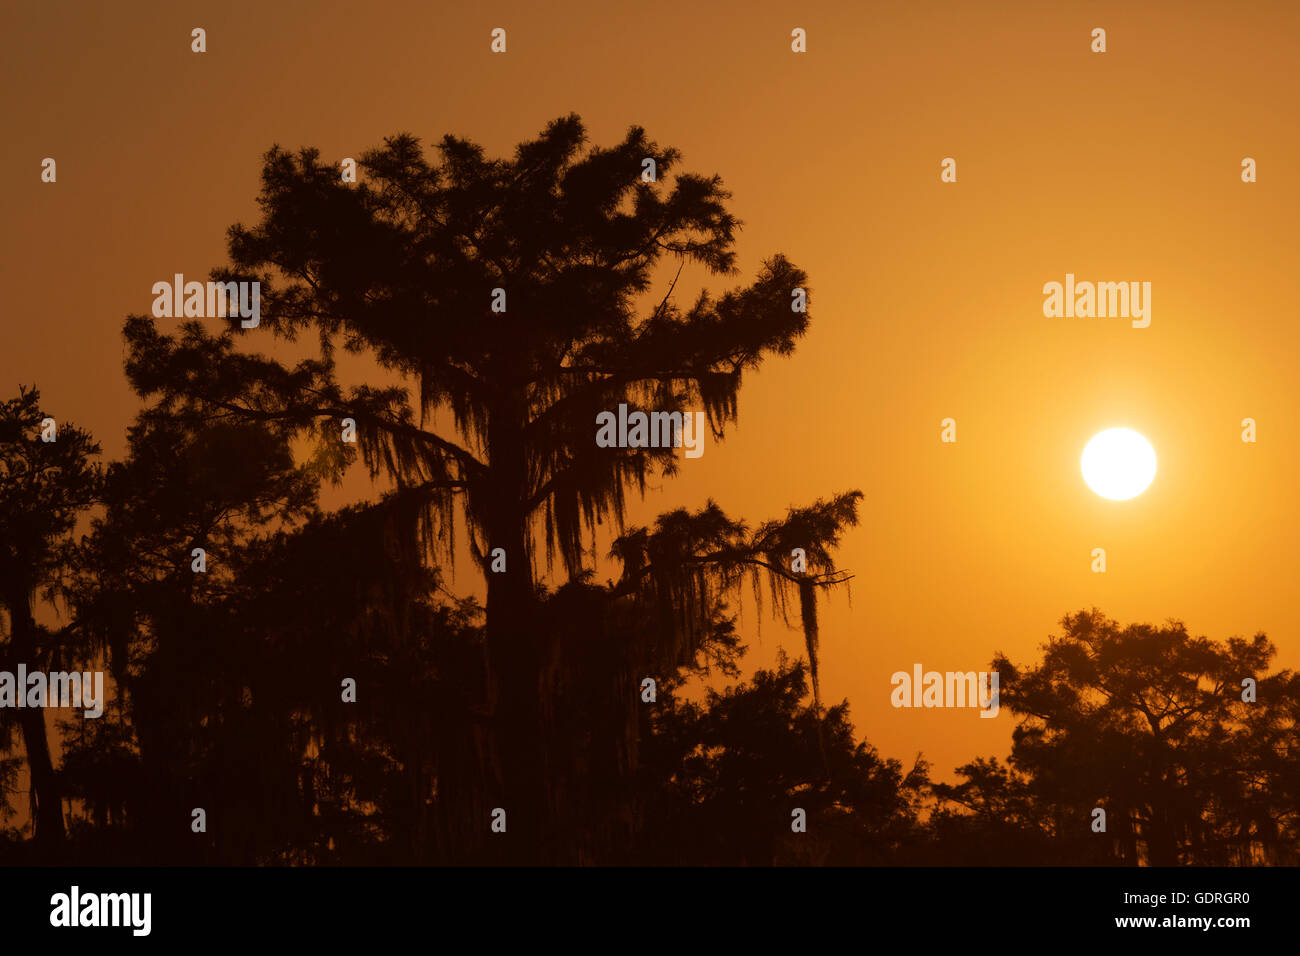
926,298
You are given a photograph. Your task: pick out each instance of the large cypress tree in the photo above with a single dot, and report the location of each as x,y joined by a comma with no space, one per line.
488,416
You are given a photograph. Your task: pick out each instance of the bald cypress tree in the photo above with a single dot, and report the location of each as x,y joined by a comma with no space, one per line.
508,302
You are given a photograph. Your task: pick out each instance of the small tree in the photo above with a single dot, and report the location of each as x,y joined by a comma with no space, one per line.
159,588
47,479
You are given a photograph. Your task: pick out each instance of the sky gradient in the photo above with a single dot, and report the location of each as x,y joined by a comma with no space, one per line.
925,298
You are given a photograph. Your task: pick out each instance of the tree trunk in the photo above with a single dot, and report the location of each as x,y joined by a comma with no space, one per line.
1162,843
47,802
514,653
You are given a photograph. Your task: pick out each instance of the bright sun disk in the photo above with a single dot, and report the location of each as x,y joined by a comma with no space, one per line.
1118,464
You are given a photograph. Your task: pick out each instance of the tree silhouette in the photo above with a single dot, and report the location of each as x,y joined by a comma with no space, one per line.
405,268
44,486
1001,821
160,589
727,774
1153,725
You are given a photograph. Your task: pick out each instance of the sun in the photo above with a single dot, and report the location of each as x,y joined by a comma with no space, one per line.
1118,464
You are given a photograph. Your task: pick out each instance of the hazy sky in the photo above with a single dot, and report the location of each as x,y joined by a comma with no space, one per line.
926,298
